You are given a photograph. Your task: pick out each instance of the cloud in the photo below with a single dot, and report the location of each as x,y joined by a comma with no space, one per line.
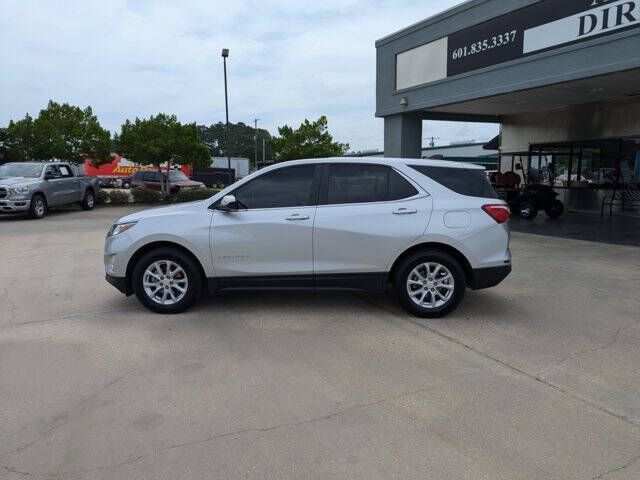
289,60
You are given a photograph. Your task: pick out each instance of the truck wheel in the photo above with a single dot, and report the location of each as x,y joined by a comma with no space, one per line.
38,208
430,284
126,185
89,200
166,280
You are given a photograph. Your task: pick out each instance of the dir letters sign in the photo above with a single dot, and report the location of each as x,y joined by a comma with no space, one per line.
542,26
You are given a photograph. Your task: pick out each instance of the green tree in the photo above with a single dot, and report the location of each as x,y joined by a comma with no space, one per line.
18,139
310,140
60,131
70,133
160,140
241,140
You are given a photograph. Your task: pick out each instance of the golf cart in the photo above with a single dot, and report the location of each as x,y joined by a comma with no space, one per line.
527,199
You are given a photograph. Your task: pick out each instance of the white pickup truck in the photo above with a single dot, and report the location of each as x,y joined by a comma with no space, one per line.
34,187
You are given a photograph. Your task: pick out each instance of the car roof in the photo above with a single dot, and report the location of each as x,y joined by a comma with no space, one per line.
44,162
384,161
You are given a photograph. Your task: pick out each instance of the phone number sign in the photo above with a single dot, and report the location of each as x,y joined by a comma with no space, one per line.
542,26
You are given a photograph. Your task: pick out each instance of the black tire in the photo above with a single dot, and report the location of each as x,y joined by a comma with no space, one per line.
527,210
126,185
187,264
404,272
89,200
555,209
38,208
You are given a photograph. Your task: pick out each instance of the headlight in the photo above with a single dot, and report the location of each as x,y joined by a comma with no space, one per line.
20,189
119,228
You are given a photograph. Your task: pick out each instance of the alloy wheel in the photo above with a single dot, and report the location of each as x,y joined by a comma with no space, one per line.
430,285
165,282
38,207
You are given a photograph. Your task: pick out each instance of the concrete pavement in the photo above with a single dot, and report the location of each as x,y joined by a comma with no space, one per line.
536,379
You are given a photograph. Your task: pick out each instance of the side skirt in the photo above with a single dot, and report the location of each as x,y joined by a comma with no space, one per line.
368,282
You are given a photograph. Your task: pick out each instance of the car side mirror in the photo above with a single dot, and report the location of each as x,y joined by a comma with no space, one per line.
228,204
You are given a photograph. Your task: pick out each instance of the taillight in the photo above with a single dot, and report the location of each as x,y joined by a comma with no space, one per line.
500,213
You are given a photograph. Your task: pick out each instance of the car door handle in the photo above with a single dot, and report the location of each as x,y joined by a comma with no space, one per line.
296,218
405,211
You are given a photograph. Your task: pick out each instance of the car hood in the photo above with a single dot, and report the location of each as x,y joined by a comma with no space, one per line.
16,180
164,211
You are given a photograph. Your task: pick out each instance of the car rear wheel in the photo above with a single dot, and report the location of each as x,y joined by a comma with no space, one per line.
89,200
38,208
166,281
430,284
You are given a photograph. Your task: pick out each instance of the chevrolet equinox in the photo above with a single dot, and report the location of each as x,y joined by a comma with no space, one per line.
429,228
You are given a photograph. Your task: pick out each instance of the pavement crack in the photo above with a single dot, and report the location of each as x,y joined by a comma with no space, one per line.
11,304
505,364
60,420
235,433
617,469
15,470
78,315
608,344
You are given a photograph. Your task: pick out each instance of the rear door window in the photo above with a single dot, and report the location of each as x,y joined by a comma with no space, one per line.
362,183
465,181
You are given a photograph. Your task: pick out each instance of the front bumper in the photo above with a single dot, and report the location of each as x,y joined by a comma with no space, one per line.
482,278
8,205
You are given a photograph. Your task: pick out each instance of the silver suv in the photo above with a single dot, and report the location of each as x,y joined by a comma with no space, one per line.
430,228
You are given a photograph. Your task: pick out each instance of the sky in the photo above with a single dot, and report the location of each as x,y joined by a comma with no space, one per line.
289,60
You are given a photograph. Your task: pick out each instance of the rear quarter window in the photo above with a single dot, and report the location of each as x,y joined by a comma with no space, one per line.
465,181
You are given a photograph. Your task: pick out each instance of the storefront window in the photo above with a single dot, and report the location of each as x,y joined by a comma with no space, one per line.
600,164
630,163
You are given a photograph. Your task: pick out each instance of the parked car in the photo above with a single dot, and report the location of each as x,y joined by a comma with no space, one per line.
114,182
34,187
125,182
153,180
430,228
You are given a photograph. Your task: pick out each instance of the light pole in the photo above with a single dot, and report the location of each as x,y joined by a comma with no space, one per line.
225,55
255,142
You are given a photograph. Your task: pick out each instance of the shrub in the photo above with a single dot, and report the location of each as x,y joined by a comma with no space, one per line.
194,194
146,195
102,197
118,198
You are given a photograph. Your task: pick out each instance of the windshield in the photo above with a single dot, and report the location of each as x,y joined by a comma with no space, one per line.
175,176
28,170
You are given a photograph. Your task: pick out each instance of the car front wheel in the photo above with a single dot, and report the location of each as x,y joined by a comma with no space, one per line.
166,281
430,284
38,208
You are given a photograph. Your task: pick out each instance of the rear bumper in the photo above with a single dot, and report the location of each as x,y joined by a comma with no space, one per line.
120,283
482,278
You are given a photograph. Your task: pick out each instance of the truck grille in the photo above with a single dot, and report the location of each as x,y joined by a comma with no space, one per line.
3,192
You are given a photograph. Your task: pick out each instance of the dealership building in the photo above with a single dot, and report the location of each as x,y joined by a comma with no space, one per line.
561,77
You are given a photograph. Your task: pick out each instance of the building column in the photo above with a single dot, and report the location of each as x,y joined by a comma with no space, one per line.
403,136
